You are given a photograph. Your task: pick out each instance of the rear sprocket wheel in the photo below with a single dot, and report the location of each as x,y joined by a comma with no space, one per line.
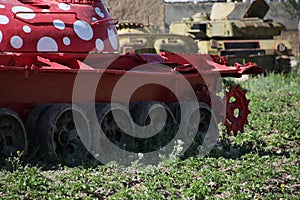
237,110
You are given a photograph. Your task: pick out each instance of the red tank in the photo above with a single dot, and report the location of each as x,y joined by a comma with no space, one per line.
66,90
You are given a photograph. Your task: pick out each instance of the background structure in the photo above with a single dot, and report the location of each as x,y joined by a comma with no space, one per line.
161,13
175,12
143,11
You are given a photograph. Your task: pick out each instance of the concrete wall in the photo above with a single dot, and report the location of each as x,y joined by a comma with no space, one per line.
142,11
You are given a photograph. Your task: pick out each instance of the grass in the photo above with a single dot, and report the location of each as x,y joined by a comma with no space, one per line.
262,163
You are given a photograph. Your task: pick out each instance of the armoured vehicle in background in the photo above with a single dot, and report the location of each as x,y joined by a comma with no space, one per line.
145,38
239,40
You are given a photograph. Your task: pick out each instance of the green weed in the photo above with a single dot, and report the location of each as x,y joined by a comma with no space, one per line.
262,163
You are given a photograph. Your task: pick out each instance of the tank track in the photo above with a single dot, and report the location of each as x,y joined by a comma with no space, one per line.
50,134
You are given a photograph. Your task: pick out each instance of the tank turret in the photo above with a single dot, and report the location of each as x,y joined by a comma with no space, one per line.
30,26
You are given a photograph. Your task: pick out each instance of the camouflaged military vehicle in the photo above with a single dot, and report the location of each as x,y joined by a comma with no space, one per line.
250,39
142,38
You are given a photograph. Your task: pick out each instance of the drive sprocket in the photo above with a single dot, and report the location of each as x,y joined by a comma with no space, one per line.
237,110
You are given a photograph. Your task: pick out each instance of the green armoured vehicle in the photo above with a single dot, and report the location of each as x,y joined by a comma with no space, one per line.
142,38
250,39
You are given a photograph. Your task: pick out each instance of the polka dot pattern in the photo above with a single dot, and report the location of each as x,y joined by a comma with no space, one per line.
66,41
113,38
83,30
16,42
82,35
105,7
99,12
17,9
1,36
3,19
59,24
64,6
47,44
26,29
99,44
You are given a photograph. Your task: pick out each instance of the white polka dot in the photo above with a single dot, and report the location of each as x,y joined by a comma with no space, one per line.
26,29
3,19
16,42
94,19
45,10
83,30
1,36
99,45
99,12
59,24
64,6
46,44
113,38
2,6
66,41
105,7
17,9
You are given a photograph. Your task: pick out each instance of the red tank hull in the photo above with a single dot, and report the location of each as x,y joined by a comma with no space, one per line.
59,57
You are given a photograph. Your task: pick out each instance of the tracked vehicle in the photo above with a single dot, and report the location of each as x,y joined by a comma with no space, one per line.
60,60
151,39
239,40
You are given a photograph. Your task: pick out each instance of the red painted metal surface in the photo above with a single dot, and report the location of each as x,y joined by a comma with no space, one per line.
55,26
237,110
44,45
